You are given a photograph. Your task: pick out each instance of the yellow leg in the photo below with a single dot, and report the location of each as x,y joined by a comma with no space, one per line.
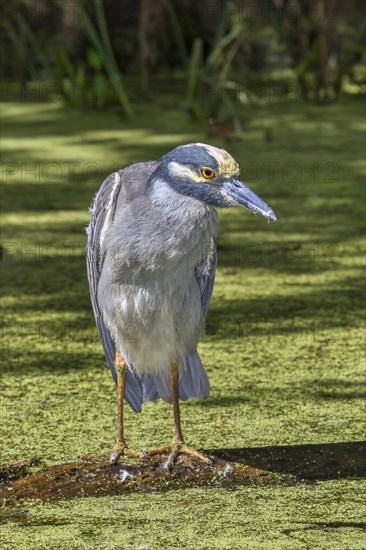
120,447
177,446
174,382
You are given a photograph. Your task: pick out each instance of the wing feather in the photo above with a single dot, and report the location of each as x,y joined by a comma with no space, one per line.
102,213
205,275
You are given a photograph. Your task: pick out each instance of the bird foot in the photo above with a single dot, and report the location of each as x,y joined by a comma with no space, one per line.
121,449
176,448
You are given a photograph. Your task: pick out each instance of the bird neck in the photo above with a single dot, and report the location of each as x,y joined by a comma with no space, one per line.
182,209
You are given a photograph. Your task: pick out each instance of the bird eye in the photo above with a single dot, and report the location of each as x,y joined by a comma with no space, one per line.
207,173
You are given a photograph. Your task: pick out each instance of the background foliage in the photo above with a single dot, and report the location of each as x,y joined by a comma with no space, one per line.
224,53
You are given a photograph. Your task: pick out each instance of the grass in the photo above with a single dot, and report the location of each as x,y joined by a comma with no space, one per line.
285,330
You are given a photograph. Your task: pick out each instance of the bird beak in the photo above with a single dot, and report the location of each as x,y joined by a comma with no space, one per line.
240,194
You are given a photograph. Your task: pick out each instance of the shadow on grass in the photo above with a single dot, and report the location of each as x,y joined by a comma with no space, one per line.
319,315
312,462
321,304
340,389
321,525
61,258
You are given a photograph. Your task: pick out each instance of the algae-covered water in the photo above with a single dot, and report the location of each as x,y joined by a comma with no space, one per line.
285,338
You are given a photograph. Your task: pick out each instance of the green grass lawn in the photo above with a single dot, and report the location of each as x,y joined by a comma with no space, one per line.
284,343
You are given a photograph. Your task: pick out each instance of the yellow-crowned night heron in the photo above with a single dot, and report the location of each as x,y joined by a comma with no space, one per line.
151,265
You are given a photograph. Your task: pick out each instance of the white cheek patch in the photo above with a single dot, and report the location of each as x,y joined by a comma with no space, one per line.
180,170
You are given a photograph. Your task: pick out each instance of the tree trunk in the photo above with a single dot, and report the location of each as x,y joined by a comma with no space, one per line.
152,38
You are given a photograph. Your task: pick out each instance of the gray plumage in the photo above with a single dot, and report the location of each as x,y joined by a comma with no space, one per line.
151,264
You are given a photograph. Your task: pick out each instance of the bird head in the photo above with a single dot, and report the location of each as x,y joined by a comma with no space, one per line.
210,175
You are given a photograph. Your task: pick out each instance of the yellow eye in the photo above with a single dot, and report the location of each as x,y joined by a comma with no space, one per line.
207,173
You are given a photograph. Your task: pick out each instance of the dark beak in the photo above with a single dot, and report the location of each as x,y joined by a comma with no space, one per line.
240,194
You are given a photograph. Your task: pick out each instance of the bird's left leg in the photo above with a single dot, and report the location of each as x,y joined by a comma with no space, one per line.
120,447
177,446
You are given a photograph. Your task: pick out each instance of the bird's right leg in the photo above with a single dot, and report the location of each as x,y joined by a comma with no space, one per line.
178,446
120,447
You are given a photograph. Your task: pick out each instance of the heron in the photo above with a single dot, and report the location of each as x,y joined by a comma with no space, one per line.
151,262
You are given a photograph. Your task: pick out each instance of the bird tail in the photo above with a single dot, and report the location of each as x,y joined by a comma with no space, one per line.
134,391
193,382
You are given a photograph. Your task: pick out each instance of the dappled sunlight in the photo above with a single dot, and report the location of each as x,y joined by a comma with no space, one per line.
285,326
89,88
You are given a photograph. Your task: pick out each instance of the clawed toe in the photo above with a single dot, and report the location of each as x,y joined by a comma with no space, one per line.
123,450
113,459
173,455
175,449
